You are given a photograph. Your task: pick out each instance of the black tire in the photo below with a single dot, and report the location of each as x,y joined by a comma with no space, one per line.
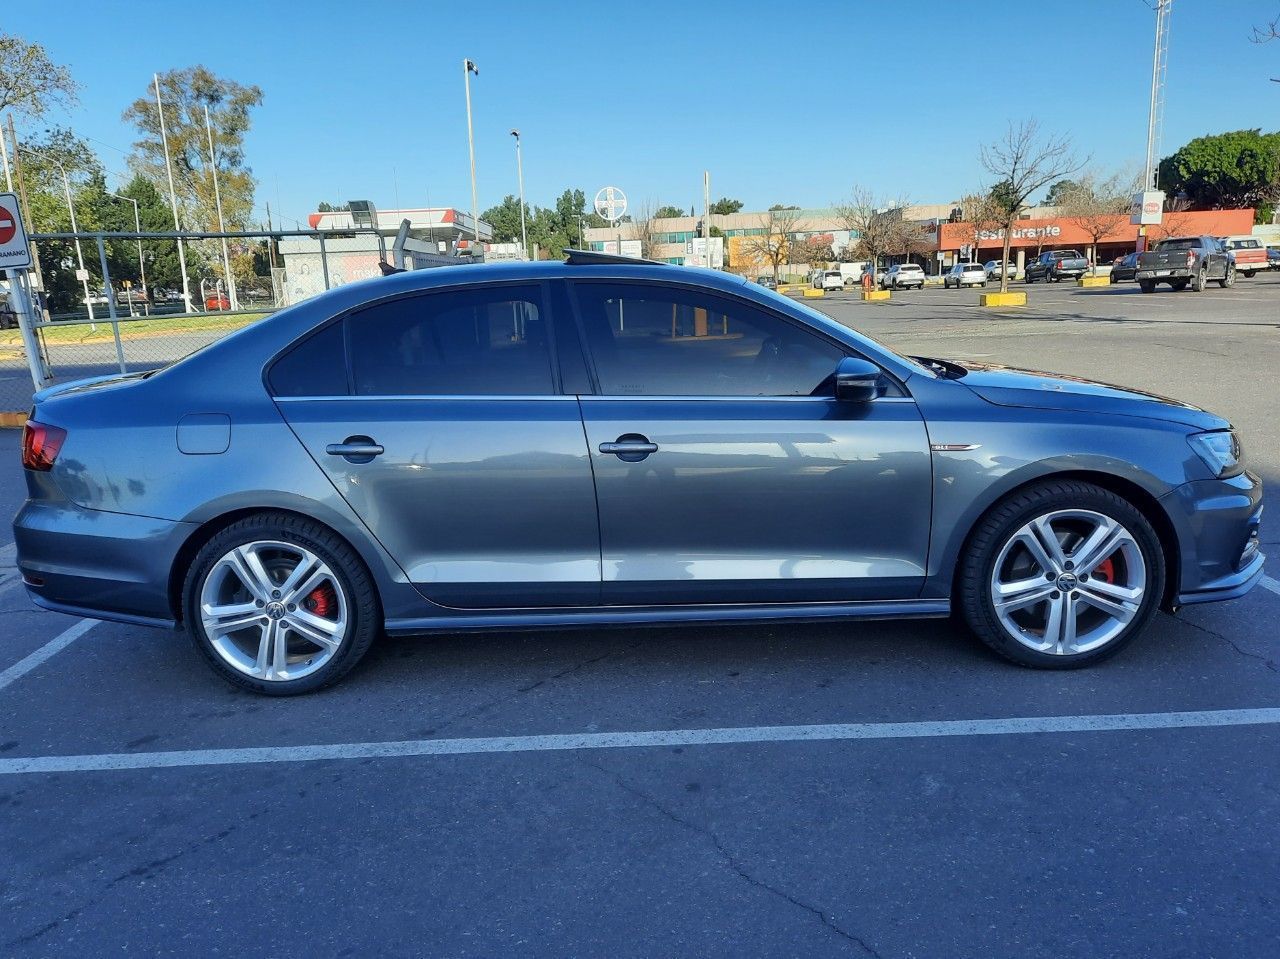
1011,514
1229,278
354,579
1200,280
1249,275
1179,285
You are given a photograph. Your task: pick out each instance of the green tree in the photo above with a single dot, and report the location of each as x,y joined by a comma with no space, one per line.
1058,192
724,206
779,206
30,82
185,94
668,212
326,207
504,219
1225,170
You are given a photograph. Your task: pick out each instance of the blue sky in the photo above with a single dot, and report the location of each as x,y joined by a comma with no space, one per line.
365,100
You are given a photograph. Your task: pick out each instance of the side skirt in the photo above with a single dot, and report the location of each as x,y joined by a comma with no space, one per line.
646,615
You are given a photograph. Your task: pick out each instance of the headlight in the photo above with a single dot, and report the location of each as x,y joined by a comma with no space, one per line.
1220,452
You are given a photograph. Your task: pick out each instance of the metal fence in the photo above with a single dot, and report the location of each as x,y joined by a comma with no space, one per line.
109,325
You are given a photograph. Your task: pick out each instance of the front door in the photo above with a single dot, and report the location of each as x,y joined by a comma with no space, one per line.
725,469
450,439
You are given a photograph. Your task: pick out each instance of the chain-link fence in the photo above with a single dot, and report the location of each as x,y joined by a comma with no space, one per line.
115,302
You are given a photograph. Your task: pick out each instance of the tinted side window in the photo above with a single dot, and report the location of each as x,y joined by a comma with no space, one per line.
315,367
471,342
649,340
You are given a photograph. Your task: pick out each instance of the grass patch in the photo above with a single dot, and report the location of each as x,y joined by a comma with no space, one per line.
136,329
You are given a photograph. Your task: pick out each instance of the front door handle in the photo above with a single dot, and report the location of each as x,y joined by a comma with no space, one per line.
355,449
629,447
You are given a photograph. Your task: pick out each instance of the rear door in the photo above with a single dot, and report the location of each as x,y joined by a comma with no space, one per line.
726,471
446,431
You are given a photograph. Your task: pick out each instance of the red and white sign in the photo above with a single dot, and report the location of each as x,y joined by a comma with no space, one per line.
15,254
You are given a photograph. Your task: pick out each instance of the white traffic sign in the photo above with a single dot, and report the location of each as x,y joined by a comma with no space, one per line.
15,254
611,204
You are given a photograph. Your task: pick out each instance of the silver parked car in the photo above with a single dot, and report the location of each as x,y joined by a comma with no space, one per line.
612,441
997,270
965,274
903,276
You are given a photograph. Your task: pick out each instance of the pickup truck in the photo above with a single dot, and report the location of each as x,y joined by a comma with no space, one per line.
1054,265
1248,252
1183,261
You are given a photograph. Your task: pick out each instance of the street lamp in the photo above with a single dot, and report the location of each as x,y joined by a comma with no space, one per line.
142,269
66,188
524,236
469,68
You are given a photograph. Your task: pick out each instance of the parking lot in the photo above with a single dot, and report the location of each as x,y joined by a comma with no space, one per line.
797,790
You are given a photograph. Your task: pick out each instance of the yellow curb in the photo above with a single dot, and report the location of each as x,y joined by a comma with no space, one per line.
875,294
812,292
11,420
1094,281
1002,299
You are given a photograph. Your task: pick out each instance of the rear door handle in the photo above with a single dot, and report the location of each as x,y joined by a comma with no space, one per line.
631,447
355,449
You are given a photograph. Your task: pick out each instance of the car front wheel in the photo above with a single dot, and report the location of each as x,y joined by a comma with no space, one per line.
280,605
1061,575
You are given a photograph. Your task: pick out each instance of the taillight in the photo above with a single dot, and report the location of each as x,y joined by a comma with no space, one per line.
40,445
1191,258
1060,264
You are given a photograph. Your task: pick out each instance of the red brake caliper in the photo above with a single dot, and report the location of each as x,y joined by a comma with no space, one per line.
1106,571
324,602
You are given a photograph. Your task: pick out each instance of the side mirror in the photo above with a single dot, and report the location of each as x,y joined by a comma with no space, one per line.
857,380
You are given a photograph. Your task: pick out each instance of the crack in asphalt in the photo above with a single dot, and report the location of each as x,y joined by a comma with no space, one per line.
1269,663
732,861
484,707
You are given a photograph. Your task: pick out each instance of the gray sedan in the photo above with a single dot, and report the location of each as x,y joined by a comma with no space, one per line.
611,441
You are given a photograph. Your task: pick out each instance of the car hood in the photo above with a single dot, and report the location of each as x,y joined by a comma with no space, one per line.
1005,386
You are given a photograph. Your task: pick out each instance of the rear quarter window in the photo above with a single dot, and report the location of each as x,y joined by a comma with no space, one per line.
315,366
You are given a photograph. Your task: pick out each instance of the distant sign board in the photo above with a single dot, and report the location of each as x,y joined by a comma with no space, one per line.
1148,207
629,247
696,252
611,203
15,253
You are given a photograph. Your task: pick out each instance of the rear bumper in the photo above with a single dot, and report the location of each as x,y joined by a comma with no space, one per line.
1164,273
1218,524
93,563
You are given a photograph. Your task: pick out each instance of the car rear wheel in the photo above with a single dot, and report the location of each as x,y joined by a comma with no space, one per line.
1199,281
1061,575
1229,278
280,605
1146,286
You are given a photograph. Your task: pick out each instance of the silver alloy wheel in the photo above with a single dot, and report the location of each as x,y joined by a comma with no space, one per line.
273,610
1068,582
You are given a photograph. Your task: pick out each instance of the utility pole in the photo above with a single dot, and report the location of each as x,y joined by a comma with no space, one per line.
173,200
71,210
217,199
706,217
142,267
469,68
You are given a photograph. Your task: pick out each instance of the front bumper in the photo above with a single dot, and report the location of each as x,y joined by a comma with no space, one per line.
94,563
1218,524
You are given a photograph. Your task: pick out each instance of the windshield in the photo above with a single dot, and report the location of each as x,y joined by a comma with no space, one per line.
1243,244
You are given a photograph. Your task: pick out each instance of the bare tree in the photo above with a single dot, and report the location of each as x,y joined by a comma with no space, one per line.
1023,162
644,227
984,215
1098,207
772,245
877,223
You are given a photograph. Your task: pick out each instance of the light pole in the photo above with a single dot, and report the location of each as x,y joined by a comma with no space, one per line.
142,268
469,68
524,236
66,188
173,200
217,199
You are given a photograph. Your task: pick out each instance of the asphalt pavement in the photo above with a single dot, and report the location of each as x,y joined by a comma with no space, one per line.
858,812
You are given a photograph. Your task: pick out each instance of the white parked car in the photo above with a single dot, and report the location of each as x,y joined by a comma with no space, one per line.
832,280
965,274
995,270
901,276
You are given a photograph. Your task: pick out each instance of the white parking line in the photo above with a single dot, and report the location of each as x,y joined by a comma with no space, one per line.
1205,719
49,649
1272,584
